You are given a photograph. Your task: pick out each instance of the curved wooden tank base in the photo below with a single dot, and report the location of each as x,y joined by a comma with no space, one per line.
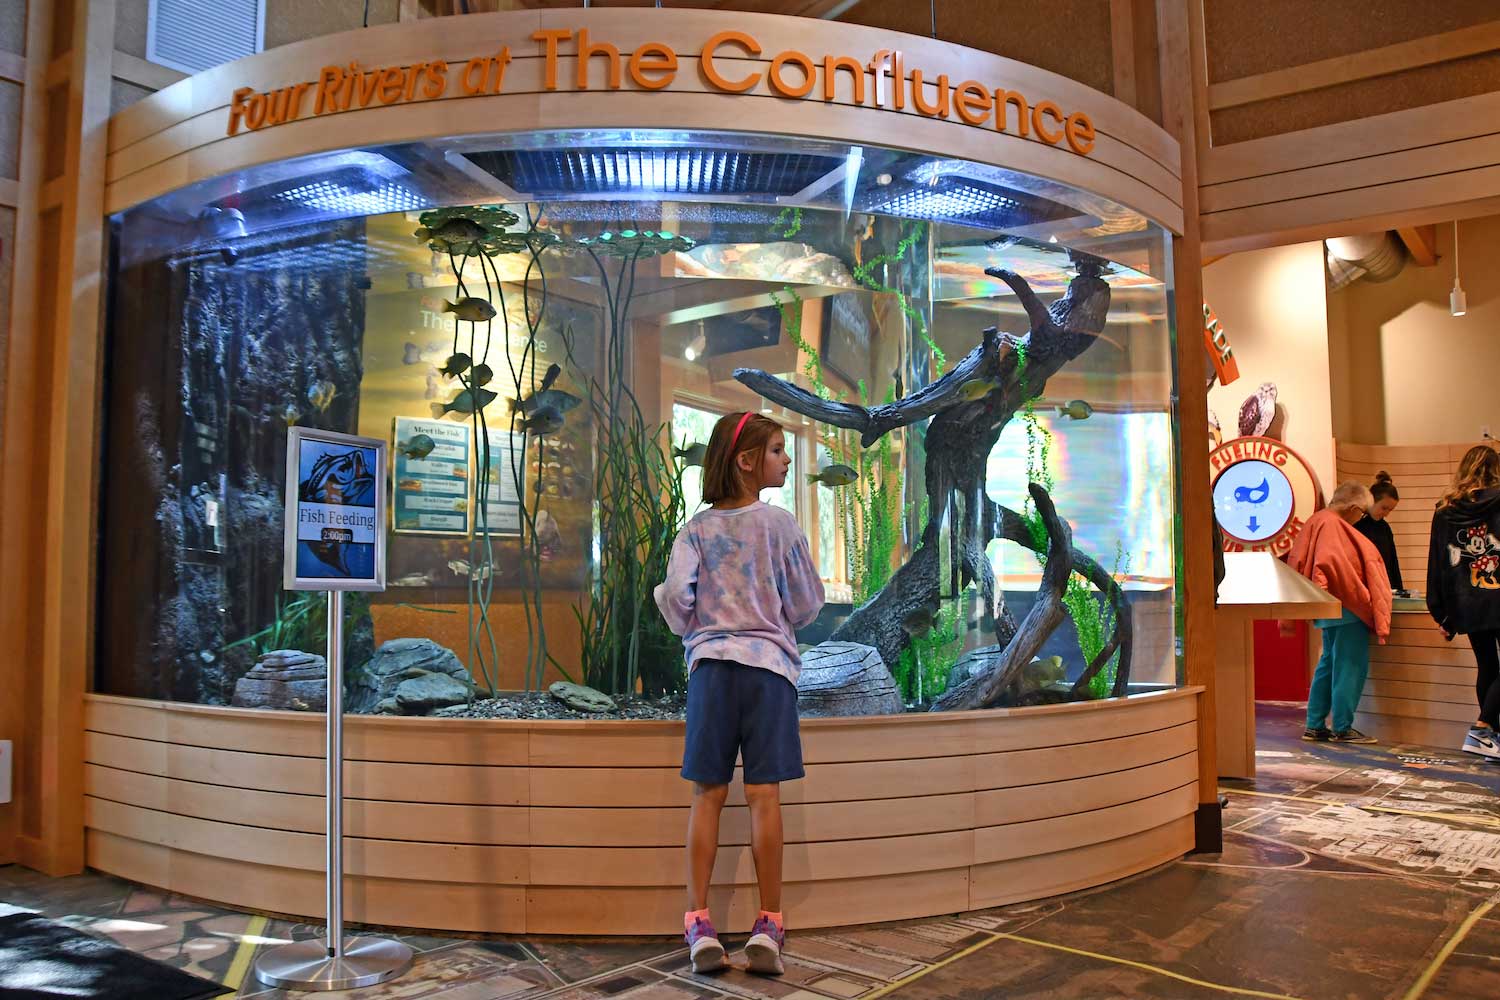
576,827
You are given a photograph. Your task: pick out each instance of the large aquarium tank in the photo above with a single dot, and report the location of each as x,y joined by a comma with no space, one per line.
973,368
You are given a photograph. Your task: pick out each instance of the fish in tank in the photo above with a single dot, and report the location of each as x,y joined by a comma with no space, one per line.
973,369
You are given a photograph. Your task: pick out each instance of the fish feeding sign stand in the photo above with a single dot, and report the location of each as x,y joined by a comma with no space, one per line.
334,541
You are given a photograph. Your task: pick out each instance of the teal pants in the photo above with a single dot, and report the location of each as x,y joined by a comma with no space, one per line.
1339,679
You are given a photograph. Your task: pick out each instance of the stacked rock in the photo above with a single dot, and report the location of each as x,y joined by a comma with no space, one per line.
285,678
408,677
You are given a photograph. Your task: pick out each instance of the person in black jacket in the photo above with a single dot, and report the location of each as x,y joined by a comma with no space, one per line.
1375,527
1463,581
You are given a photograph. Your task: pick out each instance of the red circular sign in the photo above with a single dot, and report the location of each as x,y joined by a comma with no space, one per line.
1270,456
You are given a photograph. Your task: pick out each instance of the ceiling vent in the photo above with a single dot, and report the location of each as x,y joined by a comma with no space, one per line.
1372,257
195,35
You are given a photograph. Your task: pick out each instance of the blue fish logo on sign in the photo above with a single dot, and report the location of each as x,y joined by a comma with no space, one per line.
1253,494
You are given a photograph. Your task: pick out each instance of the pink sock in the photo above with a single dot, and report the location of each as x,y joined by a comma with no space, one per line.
775,918
691,916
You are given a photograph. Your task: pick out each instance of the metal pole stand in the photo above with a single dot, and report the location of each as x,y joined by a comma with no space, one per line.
337,963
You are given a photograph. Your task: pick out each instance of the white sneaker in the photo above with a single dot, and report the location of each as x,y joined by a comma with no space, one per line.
705,951
763,950
1482,741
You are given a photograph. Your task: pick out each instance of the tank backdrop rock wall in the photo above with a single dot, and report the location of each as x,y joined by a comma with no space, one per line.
208,365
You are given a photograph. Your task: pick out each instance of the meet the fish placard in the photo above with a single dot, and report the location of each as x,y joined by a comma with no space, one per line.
431,478
335,511
503,486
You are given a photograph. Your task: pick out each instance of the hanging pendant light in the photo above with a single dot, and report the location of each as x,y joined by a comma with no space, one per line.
1458,303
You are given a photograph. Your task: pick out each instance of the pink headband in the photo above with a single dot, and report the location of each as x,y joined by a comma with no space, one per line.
743,420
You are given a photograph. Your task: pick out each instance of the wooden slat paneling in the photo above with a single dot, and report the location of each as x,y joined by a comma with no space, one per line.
582,847
1421,165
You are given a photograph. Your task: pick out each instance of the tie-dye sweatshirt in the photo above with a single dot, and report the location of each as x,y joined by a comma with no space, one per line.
739,583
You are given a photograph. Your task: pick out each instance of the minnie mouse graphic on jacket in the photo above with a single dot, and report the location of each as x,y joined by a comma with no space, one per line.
1463,565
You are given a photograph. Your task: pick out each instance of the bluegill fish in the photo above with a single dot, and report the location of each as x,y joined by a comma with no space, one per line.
419,447
455,230
545,397
833,475
471,309
918,622
456,365
464,402
559,401
481,374
693,454
542,421
320,394
977,388
1078,409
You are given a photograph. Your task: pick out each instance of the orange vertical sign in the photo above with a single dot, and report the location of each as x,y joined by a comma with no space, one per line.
1216,341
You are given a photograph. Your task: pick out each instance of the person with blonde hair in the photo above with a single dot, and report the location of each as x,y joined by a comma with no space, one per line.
1463,582
1330,553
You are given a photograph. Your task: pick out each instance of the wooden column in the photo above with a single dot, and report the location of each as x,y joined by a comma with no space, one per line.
1184,87
50,451
17,603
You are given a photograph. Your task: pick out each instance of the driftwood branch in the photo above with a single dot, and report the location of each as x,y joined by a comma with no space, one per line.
1046,614
874,421
1010,526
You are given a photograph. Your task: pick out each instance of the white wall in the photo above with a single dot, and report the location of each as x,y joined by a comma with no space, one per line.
1273,304
1405,370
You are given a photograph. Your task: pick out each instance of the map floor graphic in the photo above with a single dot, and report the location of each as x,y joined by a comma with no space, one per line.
1348,872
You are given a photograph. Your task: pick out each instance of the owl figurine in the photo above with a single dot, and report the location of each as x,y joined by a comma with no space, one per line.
1258,411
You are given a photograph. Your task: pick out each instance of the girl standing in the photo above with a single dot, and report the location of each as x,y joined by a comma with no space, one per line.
1463,581
1377,529
1330,553
740,582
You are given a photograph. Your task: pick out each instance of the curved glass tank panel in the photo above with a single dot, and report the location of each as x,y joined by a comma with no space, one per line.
973,368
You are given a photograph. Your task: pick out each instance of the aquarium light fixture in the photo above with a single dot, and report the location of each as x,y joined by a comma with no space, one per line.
328,196
951,201
587,172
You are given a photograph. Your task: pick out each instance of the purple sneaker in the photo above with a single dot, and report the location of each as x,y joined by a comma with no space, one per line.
704,947
763,950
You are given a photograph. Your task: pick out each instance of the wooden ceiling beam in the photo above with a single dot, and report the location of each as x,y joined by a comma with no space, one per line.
1421,243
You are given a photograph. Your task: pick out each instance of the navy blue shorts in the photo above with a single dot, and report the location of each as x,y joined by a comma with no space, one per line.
734,710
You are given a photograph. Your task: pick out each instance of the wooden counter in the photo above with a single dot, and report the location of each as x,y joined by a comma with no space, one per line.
1256,586
577,827
1421,688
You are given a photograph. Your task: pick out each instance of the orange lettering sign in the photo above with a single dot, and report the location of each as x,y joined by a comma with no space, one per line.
730,62
1216,340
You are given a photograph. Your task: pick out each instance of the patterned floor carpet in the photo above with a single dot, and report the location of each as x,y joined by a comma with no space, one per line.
1348,872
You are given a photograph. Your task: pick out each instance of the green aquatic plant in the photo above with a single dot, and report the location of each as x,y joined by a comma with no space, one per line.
868,511
639,504
924,667
300,621
791,218
1093,617
867,273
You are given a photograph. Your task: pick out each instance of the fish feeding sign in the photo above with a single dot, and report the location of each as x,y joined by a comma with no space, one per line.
335,511
432,477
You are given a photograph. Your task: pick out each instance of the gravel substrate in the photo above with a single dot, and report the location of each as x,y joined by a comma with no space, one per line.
544,706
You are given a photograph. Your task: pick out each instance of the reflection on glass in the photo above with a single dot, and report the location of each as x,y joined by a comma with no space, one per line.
544,368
